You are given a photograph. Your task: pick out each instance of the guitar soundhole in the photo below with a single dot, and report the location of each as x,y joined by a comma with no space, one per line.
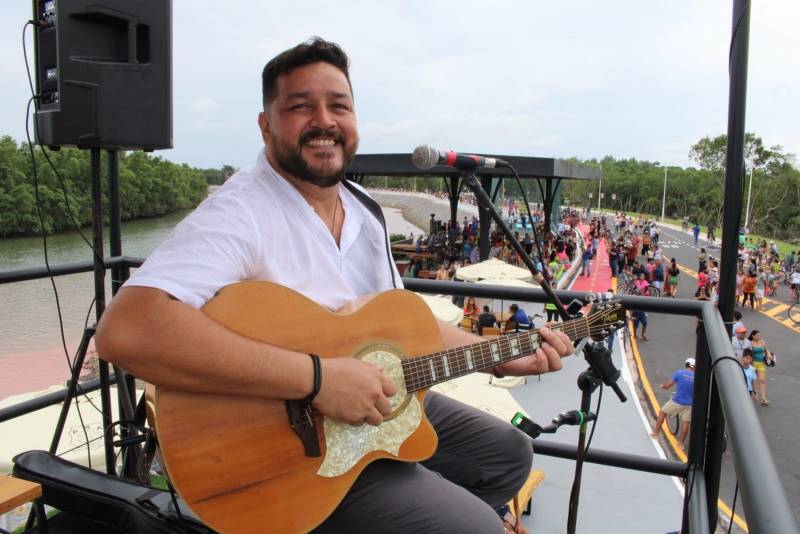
390,359
346,445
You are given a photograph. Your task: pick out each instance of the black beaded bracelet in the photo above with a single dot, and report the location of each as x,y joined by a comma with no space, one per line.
317,379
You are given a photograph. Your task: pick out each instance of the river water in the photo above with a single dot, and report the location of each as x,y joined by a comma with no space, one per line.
28,317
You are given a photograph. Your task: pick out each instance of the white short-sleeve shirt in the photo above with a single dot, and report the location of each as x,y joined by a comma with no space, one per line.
257,226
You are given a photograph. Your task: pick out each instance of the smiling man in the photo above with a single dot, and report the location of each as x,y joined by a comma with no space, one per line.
289,220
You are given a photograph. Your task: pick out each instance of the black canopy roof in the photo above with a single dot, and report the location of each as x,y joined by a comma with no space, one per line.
527,167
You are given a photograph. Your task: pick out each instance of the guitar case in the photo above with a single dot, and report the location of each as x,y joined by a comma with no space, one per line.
107,503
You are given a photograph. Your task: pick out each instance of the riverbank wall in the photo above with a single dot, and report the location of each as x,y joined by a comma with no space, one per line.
417,207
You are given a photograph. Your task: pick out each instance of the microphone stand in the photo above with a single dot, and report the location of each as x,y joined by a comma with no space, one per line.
471,181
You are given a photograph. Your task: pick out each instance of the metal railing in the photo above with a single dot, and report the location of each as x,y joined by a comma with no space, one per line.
720,397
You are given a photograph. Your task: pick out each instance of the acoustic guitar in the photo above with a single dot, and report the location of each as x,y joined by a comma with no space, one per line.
237,462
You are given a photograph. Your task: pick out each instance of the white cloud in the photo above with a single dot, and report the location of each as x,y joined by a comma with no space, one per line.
580,77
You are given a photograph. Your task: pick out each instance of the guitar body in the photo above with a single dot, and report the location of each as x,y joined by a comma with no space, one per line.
237,462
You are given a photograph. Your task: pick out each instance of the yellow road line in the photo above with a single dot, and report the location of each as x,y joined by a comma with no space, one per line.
656,406
780,308
771,313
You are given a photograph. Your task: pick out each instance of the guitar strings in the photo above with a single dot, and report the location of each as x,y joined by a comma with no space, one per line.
424,371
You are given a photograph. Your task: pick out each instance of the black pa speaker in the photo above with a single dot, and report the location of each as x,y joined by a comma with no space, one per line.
104,73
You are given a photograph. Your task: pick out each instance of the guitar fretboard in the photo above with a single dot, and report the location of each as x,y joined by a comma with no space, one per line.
425,371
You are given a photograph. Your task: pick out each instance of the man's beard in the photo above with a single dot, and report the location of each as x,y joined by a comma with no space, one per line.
290,158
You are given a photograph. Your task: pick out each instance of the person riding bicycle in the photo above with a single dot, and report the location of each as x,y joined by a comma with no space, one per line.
681,402
794,280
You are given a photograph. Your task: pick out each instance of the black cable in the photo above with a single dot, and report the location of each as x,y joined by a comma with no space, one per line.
47,156
47,263
594,423
25,56
733,506
721,358
545,272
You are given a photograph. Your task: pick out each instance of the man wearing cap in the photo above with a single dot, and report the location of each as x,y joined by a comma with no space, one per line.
739,341
681,402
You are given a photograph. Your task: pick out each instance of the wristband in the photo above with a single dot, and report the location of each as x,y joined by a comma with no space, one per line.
317,380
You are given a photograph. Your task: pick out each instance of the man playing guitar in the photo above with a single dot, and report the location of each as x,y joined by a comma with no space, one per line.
290,221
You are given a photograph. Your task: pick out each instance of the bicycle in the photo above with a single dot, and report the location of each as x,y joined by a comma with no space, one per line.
794,310
629,288
674,424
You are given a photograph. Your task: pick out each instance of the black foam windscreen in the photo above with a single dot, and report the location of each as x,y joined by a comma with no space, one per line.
103,72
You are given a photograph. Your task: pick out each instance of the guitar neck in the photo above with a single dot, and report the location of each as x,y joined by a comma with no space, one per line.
425,371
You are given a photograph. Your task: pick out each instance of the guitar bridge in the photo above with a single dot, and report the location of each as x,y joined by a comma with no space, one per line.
301,419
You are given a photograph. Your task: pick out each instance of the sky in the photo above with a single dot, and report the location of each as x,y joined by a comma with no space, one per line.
625,78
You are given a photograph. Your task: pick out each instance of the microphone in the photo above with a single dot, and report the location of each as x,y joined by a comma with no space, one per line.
426,157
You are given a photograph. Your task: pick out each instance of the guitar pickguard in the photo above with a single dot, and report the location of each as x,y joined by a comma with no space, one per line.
346,444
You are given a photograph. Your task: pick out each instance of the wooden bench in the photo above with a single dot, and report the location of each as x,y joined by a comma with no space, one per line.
522,501
15,492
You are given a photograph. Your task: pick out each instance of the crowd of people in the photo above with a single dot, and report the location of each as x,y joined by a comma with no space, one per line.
454,245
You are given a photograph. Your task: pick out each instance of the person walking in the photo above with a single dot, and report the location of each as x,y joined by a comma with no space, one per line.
674,276
761,357
739,289
681,402
739,341
702,260
696,232
749,372
640,318
749,289
587,261
761,287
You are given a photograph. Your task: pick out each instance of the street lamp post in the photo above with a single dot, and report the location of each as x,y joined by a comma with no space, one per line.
664,195
600,189
749,190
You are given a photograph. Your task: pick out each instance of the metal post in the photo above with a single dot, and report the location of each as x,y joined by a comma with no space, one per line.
734,169
664,196
548,205
698,457
714,447
126,386
114,218
100,302
599,188
484,221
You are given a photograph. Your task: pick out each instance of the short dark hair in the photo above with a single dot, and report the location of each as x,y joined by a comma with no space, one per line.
486,309
514,307
314,50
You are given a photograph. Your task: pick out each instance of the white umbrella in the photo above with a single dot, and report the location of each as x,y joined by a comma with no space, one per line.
492,268
35,430
475,390
506,283
443,308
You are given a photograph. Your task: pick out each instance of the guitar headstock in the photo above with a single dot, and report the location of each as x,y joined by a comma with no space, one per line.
605,318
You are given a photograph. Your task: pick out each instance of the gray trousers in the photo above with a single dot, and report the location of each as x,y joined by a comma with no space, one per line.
480,464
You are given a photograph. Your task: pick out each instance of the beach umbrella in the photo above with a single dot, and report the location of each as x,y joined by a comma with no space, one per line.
475,390
494,269
30,431
505,283
443,308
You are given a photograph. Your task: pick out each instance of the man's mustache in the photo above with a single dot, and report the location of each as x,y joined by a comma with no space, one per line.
320,133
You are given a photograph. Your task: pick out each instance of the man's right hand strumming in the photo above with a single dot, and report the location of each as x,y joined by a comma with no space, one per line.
354,391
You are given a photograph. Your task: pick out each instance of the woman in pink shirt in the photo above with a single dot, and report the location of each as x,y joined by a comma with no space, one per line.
641,285
702,278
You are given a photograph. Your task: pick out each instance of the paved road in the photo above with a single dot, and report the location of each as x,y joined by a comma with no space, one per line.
672,339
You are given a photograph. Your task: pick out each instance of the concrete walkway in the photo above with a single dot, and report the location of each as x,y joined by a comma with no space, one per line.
611,499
